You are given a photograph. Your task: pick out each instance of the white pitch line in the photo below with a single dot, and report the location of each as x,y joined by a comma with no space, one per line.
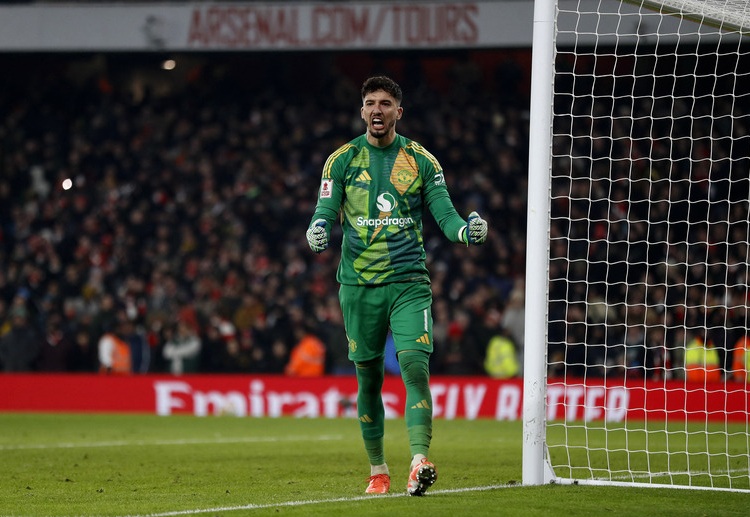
666,473
311,502
126,443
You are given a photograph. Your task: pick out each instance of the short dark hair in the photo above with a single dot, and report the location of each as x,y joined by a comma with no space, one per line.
381,82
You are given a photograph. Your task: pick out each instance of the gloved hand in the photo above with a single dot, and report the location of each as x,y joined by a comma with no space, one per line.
317,236
476,229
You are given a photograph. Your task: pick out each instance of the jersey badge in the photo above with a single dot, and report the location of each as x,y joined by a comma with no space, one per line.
326,188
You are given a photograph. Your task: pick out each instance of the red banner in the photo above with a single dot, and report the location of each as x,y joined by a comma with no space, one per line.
329,397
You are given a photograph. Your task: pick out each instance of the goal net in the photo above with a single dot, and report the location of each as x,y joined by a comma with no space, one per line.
647,190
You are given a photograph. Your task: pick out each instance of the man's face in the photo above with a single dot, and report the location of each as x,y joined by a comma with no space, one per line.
380,112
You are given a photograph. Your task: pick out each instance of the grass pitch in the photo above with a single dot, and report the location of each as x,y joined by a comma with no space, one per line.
144,465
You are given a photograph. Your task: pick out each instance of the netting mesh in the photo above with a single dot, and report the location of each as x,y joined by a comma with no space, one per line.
729,13
648,270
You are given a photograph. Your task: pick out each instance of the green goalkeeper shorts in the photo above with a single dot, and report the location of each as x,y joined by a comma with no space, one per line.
369,311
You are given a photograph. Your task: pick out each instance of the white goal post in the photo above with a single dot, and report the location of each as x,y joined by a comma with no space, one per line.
637,345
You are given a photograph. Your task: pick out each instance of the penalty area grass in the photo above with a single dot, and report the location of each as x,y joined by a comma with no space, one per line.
145,465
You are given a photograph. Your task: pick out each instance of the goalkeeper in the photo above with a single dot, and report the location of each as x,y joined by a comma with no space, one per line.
382,183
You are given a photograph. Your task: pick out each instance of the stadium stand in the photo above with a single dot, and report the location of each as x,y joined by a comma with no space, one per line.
189,194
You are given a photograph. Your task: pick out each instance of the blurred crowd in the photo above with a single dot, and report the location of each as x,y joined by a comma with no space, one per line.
153,225
154,221
649,241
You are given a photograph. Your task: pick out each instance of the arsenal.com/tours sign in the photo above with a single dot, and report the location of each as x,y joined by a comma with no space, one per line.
331,397
321,26
266,25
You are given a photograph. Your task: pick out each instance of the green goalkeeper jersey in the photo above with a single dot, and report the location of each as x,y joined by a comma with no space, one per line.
382,194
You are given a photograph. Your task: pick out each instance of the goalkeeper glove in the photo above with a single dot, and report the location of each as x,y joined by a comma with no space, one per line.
475,232
317,236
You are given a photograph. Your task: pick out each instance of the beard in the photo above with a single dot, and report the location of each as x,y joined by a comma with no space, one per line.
380,133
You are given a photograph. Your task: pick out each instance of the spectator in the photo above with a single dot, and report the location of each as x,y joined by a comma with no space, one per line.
501,361
635,350
182,349
83,357
459,353
114,351
657,357
57,347
702,361
228,355
21,345
514,315
390,361
333,335
307,358
741,361
140,352
278,357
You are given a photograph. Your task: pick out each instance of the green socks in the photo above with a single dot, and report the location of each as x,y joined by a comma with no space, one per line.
370,408
415,371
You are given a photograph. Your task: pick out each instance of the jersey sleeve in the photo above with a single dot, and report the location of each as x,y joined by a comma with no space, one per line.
438,201
331,189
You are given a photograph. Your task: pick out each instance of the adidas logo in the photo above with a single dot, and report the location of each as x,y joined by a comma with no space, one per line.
364,177
423,404
424,339
366,419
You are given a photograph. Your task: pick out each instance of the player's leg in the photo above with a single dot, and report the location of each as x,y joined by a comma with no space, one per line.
418,409
411,325
371,413
365,319
415,373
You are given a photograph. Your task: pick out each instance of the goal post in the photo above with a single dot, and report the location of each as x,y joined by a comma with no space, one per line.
637,341
537,229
